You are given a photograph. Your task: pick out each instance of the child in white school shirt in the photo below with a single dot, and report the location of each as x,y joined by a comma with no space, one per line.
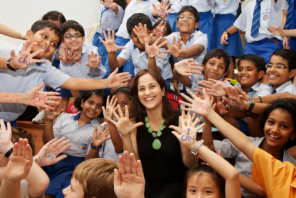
259,41
111,13
137,52
88,65
22,72
153,9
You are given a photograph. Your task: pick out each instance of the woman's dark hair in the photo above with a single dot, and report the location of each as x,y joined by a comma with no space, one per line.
86,95
138,111
125,90
167,25
286,104
121,3
55,16
203,168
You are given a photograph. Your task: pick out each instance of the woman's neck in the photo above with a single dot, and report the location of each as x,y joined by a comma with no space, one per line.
155,117
82,120
275,152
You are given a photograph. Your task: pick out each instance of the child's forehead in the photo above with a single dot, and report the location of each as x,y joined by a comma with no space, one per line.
246,63
217,59
50,32
72,31
187,13
278,59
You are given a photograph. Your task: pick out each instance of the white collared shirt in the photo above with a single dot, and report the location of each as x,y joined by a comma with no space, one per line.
259,89
226,6
134,7
77,70
288,87
109,19
270,15
242,164
23,80
197,37
140,60
199,5
80,138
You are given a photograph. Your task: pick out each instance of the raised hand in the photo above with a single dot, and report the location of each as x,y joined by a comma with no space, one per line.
213,87
222,107
107,3
20,162
110,106
37,98
187,133
197,105
69,58
163,10
25,58
124,125
235,100
129,181
52,114
199,94
49,152
175,48
93,60
109,43
142,32
5,137
160,28
153,50
187,67
275,30
224,38
118,80
100,137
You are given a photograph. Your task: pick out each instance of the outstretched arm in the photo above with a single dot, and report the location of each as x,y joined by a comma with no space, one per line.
8,31
111,5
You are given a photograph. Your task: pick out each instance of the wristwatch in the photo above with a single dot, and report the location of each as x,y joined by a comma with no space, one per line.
228,33
252,104
196,146
9,66
95,147
8,153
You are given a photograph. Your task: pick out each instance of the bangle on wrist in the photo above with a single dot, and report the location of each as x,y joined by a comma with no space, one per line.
95,147
23,37
8,153
228,33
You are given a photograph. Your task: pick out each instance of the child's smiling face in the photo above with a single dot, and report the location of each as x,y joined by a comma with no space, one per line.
72,42
46,40
248,74
214,68
186,22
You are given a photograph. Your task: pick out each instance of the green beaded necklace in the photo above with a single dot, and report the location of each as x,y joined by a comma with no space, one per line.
156,143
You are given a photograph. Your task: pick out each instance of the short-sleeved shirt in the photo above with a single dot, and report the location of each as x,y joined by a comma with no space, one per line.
140,60
200,5
288,87
109,19
226,6
270,15
197,37
80,137
23,80
242,164
24,190
81,70
108,151
278,179
134,7
259,89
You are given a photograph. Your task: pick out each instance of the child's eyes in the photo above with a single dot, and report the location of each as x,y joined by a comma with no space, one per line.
53,44
44,36
284,126
221,67
270,122
192,191
208,192
91,102
99,106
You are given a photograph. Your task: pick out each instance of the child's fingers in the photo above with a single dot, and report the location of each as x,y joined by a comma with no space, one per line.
127,163
186,103
61,157
133,163
161,57
139,169
117,178
176,129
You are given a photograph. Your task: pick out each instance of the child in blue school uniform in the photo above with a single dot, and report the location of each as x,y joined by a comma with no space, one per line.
255,19
81,129
58,18
278,126
153,9
18,65
225,15
111,13
89,64
137,52
206,20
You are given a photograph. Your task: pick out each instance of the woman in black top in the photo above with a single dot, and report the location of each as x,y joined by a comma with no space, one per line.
146,133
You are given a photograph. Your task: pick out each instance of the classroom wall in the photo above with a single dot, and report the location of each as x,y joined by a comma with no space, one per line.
21,14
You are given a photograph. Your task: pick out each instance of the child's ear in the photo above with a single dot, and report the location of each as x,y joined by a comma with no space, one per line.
196,25
163,91
83,38
81,103
293,135
261,74
29,34
292,73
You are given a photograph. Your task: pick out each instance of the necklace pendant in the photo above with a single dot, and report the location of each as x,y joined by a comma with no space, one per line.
156,144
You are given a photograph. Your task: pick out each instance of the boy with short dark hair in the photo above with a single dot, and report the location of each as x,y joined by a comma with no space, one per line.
281,70
143,56
21,72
